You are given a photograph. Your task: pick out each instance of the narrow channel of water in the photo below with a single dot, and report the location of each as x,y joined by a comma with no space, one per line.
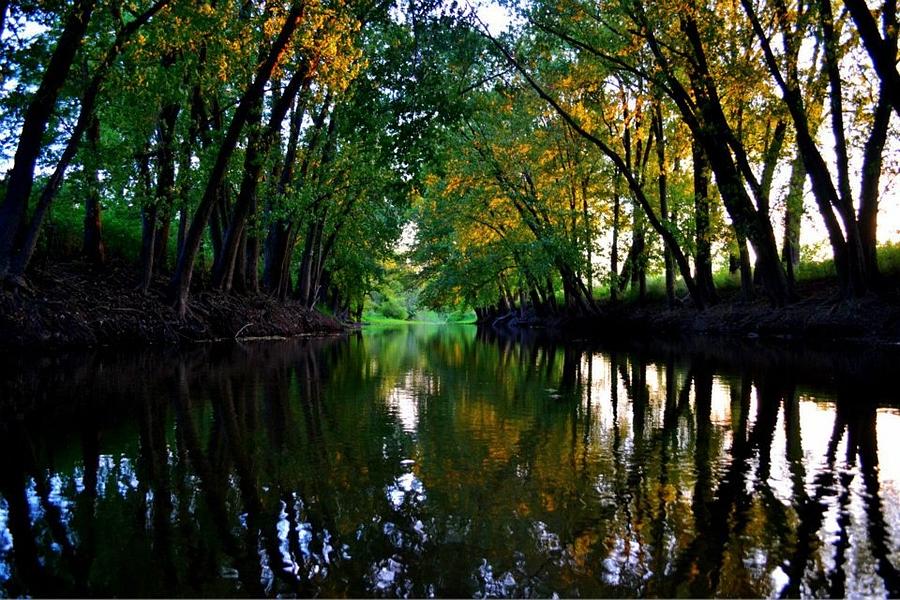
440,461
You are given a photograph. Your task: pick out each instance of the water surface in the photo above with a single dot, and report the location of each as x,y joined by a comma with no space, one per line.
440,461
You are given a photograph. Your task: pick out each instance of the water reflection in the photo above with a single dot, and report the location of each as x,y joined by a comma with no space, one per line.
449,462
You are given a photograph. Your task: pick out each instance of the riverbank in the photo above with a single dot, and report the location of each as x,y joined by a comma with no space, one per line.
870,320
818,316
72,305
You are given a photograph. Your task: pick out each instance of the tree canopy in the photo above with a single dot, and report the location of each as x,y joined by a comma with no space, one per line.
281,147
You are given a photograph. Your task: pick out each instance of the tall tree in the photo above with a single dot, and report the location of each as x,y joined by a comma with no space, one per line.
181,279
21,178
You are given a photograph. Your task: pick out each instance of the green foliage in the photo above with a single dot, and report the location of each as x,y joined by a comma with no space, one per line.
393,298
813,270
888,264
391,308
726,280
408,113
889,259
65,228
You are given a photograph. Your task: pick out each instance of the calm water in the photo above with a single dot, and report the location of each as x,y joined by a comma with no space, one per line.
437,461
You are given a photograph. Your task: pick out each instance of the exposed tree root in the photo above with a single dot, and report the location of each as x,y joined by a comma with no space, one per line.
73,304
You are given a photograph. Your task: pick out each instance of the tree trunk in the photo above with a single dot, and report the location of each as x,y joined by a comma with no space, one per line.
183,217
626,276
317,265
734,259
633,184
793,212
770,162
37,115
702,112
216,222
223,267
847,251
304,274
703,255
727,158
883,51
183,183
148,222
614,251
156,215
746,269
259,144
550,295
181,281
238,277
536,301
92,246
86,115
148,246
637,254
588,234
503,305
161,246
858,280
252,266
663,201
871,177
276,246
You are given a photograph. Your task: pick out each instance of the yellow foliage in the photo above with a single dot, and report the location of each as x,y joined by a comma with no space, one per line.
548,502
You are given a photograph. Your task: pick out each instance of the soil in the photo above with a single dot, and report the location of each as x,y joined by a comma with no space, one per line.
72,304
818,316
870,320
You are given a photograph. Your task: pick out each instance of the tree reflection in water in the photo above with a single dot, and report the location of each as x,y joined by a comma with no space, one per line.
441,461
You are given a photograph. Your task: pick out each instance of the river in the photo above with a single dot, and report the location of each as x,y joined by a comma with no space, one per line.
443,461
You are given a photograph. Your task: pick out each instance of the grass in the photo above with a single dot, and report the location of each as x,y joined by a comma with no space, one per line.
426,317
725,282
888,265
656,290
889,259
379,320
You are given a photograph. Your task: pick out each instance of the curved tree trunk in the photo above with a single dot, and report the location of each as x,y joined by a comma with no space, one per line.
883,51
86,115
259,145
846,244
37,115
670,241
181,280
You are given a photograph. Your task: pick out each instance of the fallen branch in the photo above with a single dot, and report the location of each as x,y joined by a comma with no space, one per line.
242,329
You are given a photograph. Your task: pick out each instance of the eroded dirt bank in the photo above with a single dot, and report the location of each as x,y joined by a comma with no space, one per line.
73,305
818,316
